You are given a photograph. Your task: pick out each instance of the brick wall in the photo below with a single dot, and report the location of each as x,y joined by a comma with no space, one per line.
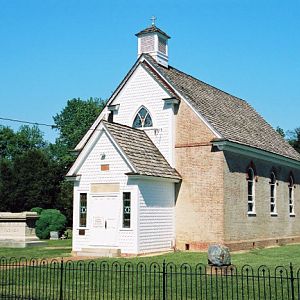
211,201
199,202
243,231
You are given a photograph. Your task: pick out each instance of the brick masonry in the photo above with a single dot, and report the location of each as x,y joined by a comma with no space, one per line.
261,229
199,202
211,201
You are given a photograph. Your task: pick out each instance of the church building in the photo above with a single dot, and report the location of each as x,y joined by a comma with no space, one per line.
175,163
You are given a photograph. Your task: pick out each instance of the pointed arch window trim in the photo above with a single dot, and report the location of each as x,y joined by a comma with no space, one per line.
251,191
291,196
273,184
142,118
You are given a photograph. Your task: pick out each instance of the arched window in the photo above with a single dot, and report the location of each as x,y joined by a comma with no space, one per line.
251,196
273,209
291,196
142,119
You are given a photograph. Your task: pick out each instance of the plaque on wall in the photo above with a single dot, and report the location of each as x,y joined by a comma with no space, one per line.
98,222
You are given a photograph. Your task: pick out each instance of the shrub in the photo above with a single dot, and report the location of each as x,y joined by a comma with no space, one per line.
68,233
38,210
50,220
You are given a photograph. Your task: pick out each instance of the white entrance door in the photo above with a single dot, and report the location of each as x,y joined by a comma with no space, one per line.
105,214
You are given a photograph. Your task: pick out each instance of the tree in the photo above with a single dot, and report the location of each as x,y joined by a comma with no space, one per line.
65,200
7,137
32,171
36,181
294,138
26,138
26,172
7,184
72,122
280,131
75,119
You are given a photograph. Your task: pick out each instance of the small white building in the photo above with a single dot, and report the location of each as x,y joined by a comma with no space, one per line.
123,194
128,197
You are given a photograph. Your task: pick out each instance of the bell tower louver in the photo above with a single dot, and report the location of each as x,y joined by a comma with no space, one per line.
154,41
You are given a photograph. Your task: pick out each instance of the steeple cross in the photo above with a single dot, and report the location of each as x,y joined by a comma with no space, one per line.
153,19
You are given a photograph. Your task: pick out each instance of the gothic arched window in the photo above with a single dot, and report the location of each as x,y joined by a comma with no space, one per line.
142,119
251,199
273,209
291,195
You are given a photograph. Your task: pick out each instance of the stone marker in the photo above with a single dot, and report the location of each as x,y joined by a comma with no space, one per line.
54,235
218,255
17,230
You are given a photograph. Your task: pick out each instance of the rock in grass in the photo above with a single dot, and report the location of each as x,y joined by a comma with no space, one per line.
218,255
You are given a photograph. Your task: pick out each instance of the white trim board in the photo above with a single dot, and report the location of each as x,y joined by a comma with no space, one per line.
257,153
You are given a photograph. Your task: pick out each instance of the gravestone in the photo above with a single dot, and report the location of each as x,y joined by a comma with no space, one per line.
17,230
218,255
54,235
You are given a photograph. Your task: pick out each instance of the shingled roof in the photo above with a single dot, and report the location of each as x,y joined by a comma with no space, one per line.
232,117
141,152
152,28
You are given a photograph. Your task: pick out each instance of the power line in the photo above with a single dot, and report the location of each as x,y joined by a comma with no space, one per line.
27,122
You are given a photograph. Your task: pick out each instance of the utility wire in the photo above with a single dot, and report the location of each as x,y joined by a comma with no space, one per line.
27,122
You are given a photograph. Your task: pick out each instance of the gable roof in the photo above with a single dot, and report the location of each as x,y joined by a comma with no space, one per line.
232,117
141,152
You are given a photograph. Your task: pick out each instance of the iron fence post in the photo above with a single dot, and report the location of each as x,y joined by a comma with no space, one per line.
292,281
164,280
61,279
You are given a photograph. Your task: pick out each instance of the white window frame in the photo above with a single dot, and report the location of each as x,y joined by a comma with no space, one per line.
251,180
130,212
291,196
138,114
79,210
273,184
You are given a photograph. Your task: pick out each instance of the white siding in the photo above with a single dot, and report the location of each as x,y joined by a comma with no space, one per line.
90,172
142,89
156,216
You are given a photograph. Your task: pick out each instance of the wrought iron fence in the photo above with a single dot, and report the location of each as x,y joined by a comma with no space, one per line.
63,280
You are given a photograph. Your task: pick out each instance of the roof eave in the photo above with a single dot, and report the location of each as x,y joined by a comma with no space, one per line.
226,145
152,29
152,177
73,178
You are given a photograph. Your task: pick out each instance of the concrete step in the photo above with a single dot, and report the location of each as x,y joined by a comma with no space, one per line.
99,252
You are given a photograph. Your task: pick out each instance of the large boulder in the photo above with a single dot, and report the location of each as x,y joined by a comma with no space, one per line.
218,255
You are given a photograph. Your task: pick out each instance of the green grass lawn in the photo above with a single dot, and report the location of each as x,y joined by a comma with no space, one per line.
49,249
271,257
98,279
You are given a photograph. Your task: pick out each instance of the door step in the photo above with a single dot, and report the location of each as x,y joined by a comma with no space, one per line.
99,252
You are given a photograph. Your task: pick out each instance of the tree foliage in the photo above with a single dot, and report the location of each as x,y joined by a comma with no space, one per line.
294,138
280,131
75,119
26,138
38,210
72,122
32,171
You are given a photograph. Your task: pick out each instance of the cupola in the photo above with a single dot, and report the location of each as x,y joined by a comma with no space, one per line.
154,41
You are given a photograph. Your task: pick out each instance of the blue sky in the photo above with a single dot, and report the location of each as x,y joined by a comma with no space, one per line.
55,50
